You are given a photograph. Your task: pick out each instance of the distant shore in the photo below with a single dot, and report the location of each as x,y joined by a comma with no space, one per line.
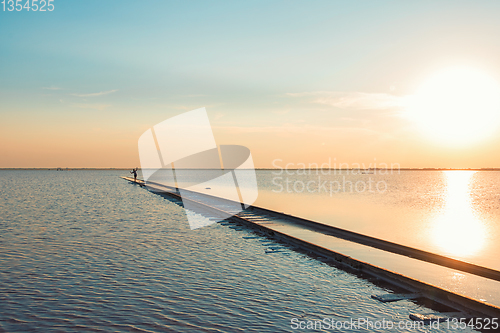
270,169
65,169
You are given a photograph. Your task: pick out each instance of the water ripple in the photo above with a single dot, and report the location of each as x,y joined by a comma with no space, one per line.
86,251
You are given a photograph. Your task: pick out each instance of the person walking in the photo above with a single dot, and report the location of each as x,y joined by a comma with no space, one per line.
134,171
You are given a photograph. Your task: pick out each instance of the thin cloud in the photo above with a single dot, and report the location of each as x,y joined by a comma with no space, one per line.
99,107
297,129
354,100
101,93
187,107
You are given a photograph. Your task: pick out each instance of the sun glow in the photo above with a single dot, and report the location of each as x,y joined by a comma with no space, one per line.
458,231
457,106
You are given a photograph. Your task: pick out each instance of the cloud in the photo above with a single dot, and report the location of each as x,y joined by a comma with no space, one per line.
101,93
99,107
296,129
354,100
187,107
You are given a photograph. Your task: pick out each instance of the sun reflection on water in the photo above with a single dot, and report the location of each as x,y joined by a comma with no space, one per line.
458,231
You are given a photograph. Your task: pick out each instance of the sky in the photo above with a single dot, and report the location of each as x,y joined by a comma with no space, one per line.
294,81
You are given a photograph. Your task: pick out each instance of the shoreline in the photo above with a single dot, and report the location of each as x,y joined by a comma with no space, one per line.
263,169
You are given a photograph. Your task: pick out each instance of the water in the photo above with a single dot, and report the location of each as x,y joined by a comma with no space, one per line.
87,251
453,213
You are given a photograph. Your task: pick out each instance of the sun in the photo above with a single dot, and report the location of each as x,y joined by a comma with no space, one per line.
457,105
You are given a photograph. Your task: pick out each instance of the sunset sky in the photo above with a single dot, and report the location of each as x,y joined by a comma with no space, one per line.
300,81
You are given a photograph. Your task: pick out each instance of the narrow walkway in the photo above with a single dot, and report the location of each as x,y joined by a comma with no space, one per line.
387,261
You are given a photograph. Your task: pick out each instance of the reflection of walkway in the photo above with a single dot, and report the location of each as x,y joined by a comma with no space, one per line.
458,231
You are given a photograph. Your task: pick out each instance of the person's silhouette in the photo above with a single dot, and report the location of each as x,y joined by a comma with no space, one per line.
134,171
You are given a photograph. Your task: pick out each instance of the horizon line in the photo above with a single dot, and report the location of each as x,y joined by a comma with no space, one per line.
361,169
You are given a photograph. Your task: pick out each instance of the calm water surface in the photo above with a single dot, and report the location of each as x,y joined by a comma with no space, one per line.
453,213
87,251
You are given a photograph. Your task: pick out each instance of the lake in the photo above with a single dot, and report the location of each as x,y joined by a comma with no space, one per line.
88,251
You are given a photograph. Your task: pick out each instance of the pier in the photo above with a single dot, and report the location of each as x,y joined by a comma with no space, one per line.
401,266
